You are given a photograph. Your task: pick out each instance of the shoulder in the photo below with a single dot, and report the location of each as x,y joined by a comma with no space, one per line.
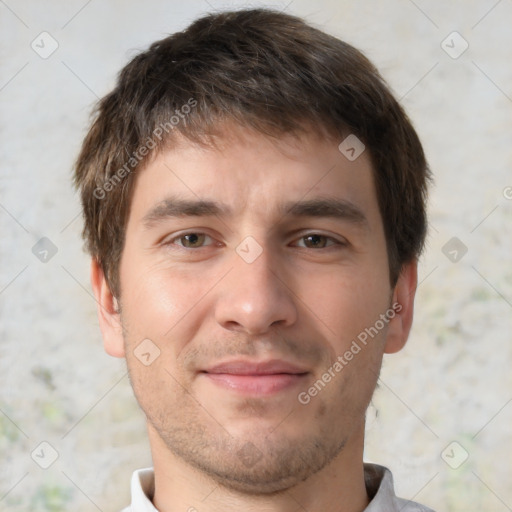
411,506
142,490
380,488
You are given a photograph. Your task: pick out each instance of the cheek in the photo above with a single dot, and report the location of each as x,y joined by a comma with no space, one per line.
158,303
347,302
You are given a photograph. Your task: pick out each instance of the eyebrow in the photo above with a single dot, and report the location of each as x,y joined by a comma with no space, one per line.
174,207
326,207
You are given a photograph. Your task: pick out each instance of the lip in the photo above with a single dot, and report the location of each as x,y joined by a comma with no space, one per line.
256,378
255,368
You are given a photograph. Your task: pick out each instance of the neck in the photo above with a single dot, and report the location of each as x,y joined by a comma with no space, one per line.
338,487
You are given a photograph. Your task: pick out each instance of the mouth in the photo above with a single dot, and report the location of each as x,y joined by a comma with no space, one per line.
256,378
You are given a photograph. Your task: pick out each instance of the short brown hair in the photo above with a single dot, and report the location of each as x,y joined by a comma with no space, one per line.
264,70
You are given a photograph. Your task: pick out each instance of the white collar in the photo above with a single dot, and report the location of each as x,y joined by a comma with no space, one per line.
378,479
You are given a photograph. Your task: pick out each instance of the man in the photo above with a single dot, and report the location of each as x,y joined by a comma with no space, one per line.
254,203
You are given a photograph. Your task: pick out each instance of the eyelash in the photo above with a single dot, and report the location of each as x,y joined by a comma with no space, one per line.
171,241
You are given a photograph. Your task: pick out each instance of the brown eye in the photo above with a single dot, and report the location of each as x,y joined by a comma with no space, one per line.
315,241
192,240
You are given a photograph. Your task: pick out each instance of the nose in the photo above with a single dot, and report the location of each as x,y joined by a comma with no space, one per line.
255,296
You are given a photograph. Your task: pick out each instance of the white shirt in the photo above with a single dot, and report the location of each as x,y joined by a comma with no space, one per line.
378,479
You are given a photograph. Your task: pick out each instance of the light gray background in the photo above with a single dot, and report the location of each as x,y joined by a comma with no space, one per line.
452,383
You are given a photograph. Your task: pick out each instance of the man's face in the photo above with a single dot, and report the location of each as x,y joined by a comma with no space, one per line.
273,275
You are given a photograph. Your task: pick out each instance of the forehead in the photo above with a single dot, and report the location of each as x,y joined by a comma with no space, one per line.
247,172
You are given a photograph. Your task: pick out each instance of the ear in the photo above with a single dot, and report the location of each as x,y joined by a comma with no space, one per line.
403,305
108,314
